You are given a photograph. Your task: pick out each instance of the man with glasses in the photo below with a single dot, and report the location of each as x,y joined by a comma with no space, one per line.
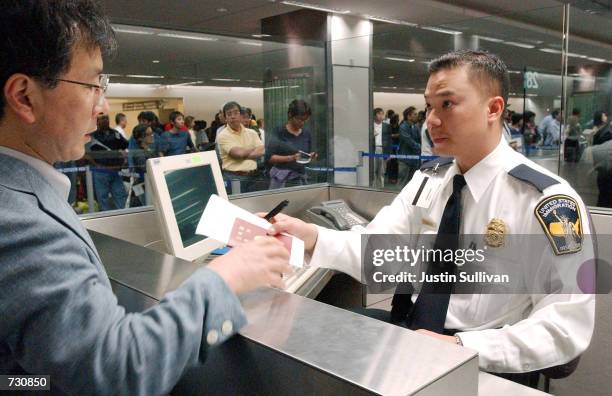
239,148
59,314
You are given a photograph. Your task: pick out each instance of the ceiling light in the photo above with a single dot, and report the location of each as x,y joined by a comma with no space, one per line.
521,45
596,59
315,7
514,72
132,31
251,43
391,77
441,30
188,37
550,50
155,61
260,35
573,55
389,87
399,59
389,20
186,83
225,79
491,39
221,9
143,76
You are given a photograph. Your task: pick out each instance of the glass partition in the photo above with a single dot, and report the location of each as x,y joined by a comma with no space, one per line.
166,96
343,64
402,53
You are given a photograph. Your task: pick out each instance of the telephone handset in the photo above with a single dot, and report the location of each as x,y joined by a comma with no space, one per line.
334,214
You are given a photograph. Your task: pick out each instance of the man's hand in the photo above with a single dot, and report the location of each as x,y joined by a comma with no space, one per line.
305,231
260,262
440,337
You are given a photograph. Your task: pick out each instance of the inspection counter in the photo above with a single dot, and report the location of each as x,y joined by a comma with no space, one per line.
292,344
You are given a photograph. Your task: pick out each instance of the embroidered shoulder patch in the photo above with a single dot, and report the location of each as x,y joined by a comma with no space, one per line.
559,216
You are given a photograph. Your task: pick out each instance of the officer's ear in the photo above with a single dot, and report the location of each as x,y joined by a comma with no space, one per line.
21,92
495,109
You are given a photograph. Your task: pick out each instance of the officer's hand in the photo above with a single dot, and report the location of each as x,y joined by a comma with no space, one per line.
305,231
440,337
258,263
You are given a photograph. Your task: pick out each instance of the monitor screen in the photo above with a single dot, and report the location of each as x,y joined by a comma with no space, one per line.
181,187
189,191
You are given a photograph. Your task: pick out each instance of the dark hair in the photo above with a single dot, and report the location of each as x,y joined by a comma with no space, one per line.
198,125
139,133
487,69
555,113
598,118
230,105
147,116
390,113
529,114
575,111
298,108
394,120
516,118
174,115
376,111
407,112
119,117
39,36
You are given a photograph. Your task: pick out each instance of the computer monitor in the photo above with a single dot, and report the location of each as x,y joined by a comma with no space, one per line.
182,185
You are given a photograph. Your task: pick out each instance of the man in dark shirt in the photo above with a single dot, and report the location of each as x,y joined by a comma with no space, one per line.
106,151
289,147
409,144
176,140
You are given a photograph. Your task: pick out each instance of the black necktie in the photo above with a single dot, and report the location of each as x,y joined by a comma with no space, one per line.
429,310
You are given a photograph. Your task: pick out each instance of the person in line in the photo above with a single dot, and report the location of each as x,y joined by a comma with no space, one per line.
239,149
107,154
177,141
290,147
59,314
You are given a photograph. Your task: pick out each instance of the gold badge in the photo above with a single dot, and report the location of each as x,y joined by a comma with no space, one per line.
496,229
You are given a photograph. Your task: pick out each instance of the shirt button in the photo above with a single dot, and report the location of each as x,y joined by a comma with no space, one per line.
227,328
212,337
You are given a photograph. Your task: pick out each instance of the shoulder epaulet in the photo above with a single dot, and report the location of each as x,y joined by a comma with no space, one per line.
536,178
440,161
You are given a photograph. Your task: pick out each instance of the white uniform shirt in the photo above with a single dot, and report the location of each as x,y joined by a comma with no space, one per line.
512,333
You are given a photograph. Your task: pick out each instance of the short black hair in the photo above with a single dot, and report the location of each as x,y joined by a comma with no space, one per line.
174,115
39,36
377,110
486,69
147,116
230,105
119,117
140,132
555,113
516,118
575,111
299,108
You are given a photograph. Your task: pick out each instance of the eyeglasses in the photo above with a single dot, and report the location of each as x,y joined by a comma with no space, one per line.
99,89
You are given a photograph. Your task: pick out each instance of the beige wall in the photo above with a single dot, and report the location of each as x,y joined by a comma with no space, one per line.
200,102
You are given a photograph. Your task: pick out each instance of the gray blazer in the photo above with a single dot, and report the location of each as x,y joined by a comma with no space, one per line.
59,314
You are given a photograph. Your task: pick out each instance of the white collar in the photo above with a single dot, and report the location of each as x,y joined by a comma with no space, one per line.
482,174
56,179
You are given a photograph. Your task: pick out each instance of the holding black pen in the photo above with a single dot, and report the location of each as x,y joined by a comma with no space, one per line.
277,209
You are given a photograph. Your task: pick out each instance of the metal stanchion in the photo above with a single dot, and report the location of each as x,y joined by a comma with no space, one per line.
90,189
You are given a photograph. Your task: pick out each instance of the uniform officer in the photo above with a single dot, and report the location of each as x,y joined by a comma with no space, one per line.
59,314
496,188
